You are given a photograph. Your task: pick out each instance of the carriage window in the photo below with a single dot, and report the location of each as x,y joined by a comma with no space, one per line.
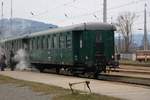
6,46
45,42
18,44
52,42
11,45
30,44
49,42
39,43
42,44
15,44
98,37
62,41
35,43
21,44
68,41
55,42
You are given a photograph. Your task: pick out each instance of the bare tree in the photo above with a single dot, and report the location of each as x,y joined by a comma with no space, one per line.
125,24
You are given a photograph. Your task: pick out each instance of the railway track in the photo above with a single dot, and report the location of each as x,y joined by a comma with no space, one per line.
125,79
132,78
129,79
133,71
135,68
128,75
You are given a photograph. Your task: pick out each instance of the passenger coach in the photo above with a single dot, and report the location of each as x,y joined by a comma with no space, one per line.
78,49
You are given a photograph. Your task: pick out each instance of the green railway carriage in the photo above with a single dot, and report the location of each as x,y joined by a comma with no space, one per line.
13,44
79,48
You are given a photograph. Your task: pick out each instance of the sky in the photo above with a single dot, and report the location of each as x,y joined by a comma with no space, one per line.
68,12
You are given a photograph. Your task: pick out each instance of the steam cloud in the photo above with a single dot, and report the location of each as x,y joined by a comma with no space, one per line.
23,60
2,51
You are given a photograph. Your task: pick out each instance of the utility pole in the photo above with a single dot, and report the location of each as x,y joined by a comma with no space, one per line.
105,11
11,9
2,11
145,28
119,43
11,16
1,30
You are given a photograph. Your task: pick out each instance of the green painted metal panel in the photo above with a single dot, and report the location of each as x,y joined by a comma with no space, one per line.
54,55
83,47
85,51
108,38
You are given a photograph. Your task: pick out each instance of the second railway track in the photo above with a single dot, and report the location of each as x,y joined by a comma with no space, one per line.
125,79
137,78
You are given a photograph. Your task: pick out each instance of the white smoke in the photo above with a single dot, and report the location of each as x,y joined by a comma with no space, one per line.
2,52
22,58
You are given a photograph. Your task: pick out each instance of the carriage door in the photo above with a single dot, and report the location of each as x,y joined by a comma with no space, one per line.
77,43
99,47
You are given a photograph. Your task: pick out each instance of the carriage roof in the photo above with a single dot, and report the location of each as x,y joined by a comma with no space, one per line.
78,27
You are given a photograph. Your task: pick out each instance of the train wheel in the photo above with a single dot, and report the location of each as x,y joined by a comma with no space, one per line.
75,74
96,75
12,68
88,74
2,69
41,69
57,70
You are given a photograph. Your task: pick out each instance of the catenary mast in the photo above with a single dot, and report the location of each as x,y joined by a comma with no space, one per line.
145,28
105,11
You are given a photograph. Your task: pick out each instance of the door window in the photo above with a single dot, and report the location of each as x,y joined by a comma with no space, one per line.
98,37
81,41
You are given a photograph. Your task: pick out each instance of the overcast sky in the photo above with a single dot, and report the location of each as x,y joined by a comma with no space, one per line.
68,12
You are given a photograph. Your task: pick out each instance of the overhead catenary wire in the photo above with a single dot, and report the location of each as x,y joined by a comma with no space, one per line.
61,5
124,5
92,14
109,9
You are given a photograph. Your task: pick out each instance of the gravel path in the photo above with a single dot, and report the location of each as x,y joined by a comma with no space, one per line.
11,92
124,91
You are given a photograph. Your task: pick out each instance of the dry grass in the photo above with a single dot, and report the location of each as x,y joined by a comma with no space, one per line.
57,93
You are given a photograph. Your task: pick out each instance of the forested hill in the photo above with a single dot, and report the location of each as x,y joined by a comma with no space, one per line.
22,26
